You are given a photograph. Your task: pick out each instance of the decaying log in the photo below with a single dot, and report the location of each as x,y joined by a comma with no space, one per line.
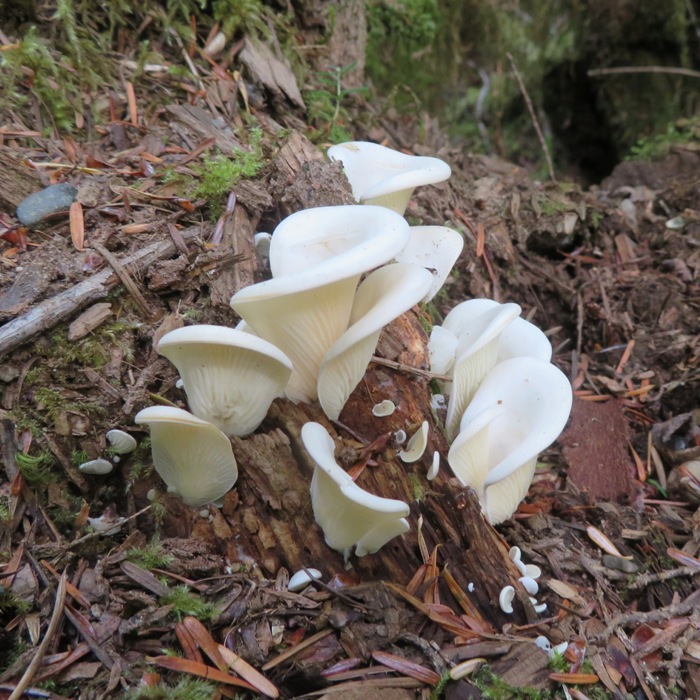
269,511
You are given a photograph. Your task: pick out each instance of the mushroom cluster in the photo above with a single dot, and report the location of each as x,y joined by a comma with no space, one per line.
339,275
507,402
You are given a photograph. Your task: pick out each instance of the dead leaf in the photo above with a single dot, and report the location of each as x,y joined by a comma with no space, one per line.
77,225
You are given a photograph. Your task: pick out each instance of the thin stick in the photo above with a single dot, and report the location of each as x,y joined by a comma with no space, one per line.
93,535
644,69
45,642
125,277
411,370
533,116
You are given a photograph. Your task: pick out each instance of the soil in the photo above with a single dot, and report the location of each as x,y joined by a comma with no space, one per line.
611,273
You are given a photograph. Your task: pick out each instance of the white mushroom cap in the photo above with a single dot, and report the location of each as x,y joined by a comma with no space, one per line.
381,175
505,599
476,355
231,377
383,296
96,466
520,408
354,239
442,348
121,442
304,313
436,248
416,445
347,514
303,578
383,408
193,457
519,339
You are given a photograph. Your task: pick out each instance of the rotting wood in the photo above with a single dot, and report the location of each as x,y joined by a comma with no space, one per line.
51,311
274,521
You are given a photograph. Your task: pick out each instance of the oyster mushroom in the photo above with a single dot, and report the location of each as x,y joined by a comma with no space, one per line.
316,265
518,410
193,457
383,176
348,515
230,377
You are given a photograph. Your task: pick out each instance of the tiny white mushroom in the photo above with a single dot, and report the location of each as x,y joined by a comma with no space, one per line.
262,244
543,643
470,587
533,571
301,579
505,599
529,584
383,408
383,176
437,402
539,609
434,467
231,377
96,466
416,445
193,457
121,442
347,514
400,437
559,648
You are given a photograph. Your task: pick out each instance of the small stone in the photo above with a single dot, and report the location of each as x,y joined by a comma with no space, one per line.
620,564
39,205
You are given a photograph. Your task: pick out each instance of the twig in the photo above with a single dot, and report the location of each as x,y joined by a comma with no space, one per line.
50,312
126,279
596,72
643,580
93,535
45,642
637,618
533,116
411,370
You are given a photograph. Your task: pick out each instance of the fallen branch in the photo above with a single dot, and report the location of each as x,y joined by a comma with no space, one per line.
597,72
51,311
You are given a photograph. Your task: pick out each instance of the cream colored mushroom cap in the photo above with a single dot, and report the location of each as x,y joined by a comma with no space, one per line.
193,457
230,377
347,514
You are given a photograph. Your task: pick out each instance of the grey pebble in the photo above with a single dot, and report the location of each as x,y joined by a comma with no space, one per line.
619,564
50,200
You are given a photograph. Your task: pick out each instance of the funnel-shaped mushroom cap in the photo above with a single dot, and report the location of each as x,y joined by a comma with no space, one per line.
359,238
519,409
383,176
230,377
476,355
435,248
520,339
442,348
304,313
193,457
383,296
347,514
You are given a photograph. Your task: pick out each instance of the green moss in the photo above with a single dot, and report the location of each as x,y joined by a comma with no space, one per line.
36,469
657,145
186,689
185,602
417,487
152,556
219,174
